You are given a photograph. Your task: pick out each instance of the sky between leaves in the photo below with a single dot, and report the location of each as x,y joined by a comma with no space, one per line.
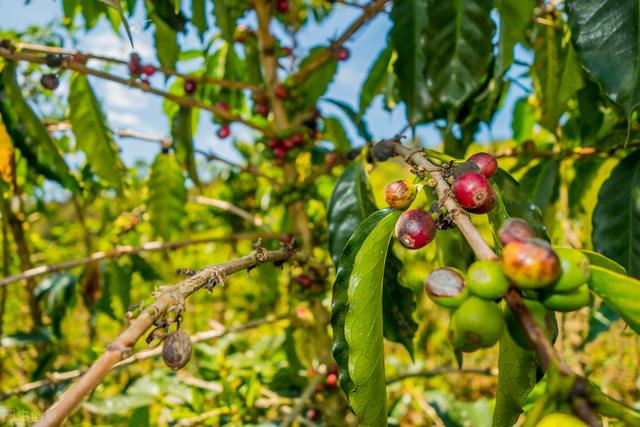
142,112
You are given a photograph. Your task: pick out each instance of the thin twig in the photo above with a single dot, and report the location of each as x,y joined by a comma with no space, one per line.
57,377
185,101
441,371
575,153
168,297
299,406
226,206
119,251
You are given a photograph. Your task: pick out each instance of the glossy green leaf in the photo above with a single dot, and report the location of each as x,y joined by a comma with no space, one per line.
512,203
515,18
524,119
91,11
363,328
607,406
458,49
167,196
29,134
516,378
540,182
92,133
182,134
585,171
314,86
606,34
616,219
360,125
351,202
199,19
409,20
557,74
115,4
619,292
375,80
336,133
602,261
165,41
166,11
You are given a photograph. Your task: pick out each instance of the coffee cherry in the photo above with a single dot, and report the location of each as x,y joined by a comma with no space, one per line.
561,420
400,194
576,270
312,414
281,91
222,106
333,369
49,81
487,280
134,65
474,193
530,263
148,70
262,109
304,281
567,301
486,162
274,143
53,60
297,139
280,153
332,381
190,86
176,350
463,168
515,229
446,287
282,6
341,53
415,229
543,317
287,51
477,323
288,143
224,131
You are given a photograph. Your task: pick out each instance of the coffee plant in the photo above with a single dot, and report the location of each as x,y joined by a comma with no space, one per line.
389,279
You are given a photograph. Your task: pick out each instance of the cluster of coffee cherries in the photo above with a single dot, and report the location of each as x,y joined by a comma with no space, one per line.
51,81
280,147
416,228
139,70
550,280
329,385
224,130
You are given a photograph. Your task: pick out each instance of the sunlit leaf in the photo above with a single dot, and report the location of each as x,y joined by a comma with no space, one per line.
167,196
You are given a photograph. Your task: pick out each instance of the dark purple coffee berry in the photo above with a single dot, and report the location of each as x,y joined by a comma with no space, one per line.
415,229
176,350
53,60
49,81
190,86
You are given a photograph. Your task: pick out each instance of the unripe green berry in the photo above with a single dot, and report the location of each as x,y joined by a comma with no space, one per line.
576,270
567,301
477,323
446,286
487,280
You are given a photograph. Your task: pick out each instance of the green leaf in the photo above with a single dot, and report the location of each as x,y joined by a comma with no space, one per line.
317,83
557,74
363,326
602,261
92,134
335,132
252,60
115,4
22,339
199,19
616,219
182,134
540,182
512,203
606,34
458,49
619,292
69,9
227,13
409,20
374,83
600,321
524,119
29,134
515,18
166,11
167,196
605,405
60,290
516,379
351,203
91,11
165,40
360,125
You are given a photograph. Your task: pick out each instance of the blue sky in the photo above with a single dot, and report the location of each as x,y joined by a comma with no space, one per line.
136,110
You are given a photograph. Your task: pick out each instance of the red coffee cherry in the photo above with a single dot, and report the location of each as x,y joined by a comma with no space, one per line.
190,86
474,193
515,229
297,139
282,6
415,229
400,194
148,70
341,53
281,92
486,162
304,281
313,415
224,131
134,65
222,105
331,381
262,110
531,263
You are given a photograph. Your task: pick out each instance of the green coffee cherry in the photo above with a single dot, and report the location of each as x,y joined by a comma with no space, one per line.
487,280
545,319
561,420
576,270
477,323
447,287
567,301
